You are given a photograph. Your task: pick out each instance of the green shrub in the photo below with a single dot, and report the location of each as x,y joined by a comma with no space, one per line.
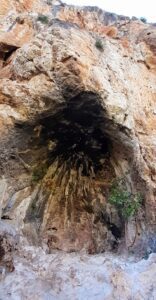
99,45
144,20
127,203
43,19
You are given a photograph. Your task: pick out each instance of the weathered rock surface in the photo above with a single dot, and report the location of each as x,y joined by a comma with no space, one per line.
79,276
77,111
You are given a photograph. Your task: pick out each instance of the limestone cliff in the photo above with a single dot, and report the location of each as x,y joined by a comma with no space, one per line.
77,112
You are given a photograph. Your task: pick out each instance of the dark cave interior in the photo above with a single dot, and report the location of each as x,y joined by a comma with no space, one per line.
76,132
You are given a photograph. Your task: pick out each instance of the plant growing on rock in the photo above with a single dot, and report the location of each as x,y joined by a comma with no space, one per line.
144,20
127,203
43,19
99,45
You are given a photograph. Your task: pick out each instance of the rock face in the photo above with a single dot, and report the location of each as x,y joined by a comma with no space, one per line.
77,111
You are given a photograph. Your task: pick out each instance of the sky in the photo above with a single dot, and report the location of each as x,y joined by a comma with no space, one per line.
137,8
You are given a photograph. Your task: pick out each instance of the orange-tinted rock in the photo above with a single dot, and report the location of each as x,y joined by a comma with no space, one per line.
6,72
22,6
148,36
19,35
125,42
110,31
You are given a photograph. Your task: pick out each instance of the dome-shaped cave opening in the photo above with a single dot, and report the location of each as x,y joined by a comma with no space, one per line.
75,136
71,205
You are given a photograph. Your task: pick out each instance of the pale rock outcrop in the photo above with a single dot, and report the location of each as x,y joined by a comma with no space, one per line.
79,276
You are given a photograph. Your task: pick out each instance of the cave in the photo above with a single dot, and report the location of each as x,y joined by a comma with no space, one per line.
70,210
77,136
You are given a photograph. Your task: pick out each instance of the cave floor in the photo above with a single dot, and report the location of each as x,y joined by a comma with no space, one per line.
73,276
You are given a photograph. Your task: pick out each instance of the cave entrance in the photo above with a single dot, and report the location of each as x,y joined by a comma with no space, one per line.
72,202
76,135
